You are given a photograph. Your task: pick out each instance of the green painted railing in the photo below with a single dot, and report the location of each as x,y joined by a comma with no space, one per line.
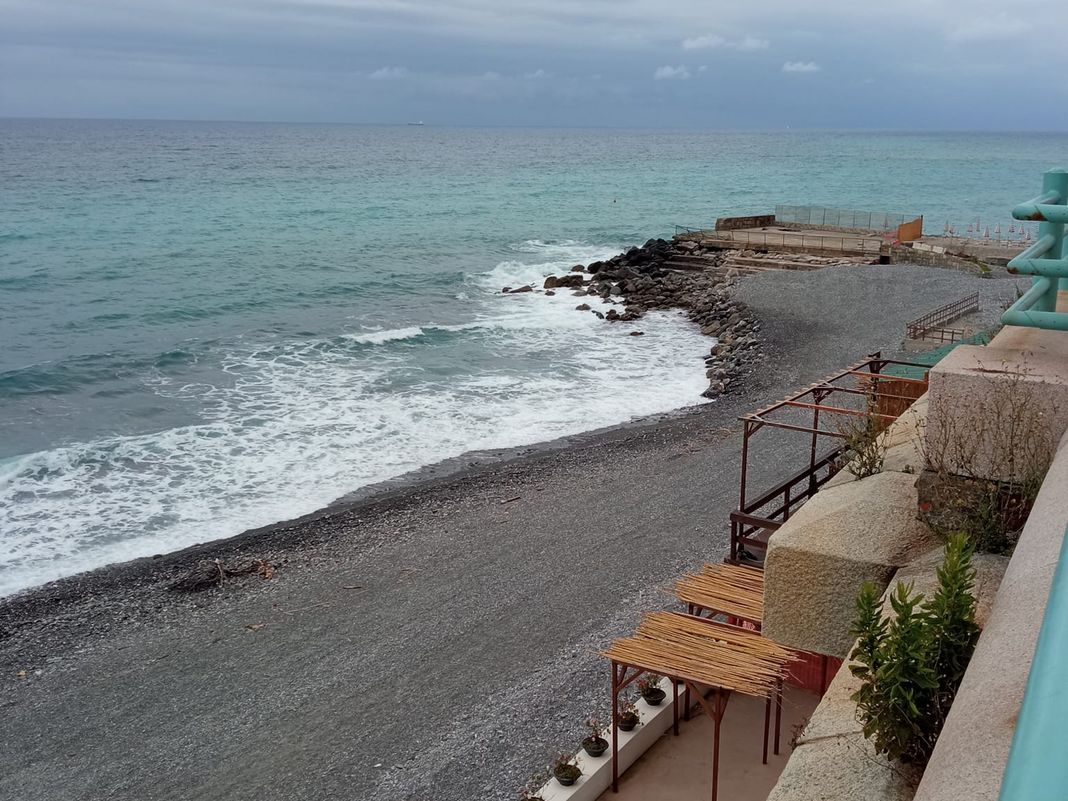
1046,260
1037,769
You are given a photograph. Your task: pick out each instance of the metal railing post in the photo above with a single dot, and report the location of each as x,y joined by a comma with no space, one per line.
1046,260
1053,181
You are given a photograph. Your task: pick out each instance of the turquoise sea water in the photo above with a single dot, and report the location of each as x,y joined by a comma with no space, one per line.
208,326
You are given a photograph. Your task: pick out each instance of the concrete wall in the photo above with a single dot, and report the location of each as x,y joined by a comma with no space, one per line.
735,223
903,254
970,757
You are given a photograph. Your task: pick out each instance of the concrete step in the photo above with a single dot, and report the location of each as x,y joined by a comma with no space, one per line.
777,264
691,265
699,259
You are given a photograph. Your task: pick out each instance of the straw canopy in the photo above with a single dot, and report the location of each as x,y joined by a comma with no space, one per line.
698,650
730,589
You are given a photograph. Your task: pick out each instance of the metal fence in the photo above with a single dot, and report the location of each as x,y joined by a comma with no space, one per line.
841,218
933,324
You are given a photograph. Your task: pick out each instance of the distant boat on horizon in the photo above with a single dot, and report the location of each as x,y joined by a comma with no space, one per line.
416,123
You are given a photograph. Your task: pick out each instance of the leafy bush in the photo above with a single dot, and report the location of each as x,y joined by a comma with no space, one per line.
912,664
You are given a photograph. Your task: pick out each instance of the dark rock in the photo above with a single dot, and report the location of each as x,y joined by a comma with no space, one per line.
552,282
637,333
527,288
595,267
549,293
578,268
612,315
583,307
506,289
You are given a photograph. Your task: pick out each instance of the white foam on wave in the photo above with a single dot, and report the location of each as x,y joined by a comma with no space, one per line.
387,335
293,432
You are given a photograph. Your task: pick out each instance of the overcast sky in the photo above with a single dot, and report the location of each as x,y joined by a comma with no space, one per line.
898,64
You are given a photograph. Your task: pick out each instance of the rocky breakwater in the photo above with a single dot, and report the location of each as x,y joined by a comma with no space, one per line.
666,274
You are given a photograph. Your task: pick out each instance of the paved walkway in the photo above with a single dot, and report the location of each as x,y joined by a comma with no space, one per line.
680,768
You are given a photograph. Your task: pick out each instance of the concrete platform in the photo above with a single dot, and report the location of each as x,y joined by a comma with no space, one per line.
680,768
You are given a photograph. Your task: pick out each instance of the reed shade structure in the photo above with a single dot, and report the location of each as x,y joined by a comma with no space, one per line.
699,652
731,590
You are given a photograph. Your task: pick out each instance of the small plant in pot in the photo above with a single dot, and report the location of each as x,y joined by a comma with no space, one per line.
594,743
565,770
649,688
628,715
530,790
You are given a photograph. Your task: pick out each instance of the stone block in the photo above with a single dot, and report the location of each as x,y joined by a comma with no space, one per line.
902,441
842,767
973,389
816,563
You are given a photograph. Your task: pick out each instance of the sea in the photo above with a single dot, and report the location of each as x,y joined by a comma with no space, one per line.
209,327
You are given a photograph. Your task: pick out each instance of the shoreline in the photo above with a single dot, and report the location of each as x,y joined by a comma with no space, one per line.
483,592
634,278
470,465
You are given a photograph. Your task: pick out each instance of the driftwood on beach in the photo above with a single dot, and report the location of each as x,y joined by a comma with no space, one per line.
209,573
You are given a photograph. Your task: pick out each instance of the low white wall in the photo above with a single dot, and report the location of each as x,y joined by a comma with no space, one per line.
597,772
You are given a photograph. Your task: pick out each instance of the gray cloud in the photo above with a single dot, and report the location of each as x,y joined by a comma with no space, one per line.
669,73
801,66
937,62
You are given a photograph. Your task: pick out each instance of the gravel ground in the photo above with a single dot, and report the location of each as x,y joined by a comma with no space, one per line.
435,638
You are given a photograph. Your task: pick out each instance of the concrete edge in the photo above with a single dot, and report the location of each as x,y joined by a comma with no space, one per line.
597,771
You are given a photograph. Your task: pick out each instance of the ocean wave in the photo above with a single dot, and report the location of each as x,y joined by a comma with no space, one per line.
300,424
389,335
555,258
75,372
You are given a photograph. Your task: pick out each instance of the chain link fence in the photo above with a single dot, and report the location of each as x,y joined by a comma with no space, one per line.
841,218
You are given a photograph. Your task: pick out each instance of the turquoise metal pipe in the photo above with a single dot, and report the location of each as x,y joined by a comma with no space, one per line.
1037,769
1038,307
1029,210
1022,312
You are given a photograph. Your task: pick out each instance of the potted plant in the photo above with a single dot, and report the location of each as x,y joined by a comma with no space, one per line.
530,791
628,715
649,688
594,743
565,770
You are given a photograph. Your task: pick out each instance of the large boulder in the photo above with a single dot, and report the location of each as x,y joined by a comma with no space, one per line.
819,558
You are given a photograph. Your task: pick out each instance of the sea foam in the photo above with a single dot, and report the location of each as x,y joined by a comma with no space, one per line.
301,423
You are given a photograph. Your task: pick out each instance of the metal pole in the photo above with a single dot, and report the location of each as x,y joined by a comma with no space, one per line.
767,727
778,714
674,707
615,728
717,718
1053,181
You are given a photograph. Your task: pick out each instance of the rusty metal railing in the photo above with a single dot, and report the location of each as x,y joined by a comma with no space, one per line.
880,397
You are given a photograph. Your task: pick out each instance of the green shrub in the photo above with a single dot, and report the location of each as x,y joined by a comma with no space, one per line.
912,664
